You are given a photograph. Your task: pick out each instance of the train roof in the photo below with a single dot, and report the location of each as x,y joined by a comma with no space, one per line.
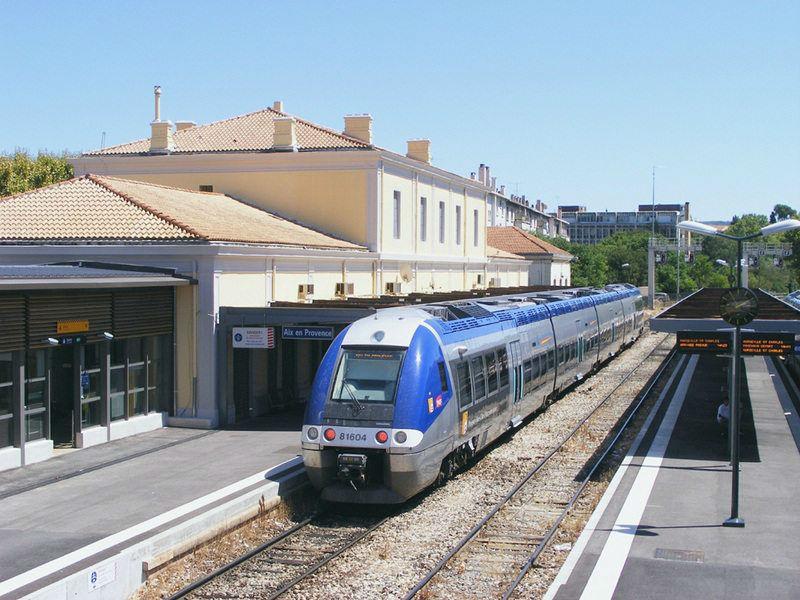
462,315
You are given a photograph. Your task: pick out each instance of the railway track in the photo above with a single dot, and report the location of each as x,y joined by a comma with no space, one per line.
501,548
285,560
294,556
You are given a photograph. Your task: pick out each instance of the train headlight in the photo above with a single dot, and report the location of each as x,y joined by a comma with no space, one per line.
400,437
329,434
381,437
313,433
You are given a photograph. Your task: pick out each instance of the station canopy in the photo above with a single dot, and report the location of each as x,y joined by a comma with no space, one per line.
701,312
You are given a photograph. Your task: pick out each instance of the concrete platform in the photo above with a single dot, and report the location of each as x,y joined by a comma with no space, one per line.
113,509
657,531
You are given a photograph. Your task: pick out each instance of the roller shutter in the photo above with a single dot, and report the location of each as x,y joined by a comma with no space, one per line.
12,322
46,309
143,311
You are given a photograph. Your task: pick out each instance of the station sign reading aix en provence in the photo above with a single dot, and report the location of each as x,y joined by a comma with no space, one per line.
307,332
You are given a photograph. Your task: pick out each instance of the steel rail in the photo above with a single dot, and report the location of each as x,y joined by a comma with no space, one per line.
322,562
610,446
537,467
197,584
254,552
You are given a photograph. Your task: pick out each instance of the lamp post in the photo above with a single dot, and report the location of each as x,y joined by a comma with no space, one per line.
653,197
781,226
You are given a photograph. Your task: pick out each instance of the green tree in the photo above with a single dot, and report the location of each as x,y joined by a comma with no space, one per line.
783,211
19,172
626,248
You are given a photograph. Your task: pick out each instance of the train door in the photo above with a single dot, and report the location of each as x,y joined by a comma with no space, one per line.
516,362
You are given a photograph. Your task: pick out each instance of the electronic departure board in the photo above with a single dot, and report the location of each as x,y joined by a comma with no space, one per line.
767,343
715,342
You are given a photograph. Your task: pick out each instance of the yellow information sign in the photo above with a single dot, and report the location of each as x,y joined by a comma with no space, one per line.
72,326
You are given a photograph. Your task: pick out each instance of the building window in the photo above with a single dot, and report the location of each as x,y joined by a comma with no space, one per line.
117,380
423,219
475,229
396,230
458,225
35,394
206,188
441,222
6,400
91,393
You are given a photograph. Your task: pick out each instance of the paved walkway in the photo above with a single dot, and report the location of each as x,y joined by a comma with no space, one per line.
51,509
657,532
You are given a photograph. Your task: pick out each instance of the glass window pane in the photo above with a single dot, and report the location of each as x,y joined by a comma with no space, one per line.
90,413
368,375
35,378
136,391
159,374
464,385
478,377
118,390
6,432
34,427
502,357
117,406
6,384
491,372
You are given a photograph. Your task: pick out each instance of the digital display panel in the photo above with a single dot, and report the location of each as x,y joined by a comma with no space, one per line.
693,342
767,343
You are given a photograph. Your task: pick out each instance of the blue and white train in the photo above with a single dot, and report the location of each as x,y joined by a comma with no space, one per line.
404,397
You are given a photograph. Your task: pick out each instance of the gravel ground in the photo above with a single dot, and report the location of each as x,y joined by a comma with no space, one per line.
396,556
393,558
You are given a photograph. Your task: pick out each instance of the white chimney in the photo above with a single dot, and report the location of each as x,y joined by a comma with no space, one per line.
419,150
472,175
160,131
277,106
487,180
494,183
502,190
359,127
181,125
285,136
157,94
482,173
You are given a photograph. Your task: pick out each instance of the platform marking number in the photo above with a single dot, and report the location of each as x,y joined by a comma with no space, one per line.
100,576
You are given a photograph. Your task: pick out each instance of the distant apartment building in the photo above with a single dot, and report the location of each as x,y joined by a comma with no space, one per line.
591,227
510,210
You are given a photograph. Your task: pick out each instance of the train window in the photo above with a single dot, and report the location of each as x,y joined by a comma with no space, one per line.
527,371
478,378
443,376
367,375
491,372
502,357
551,359
535,368
464,385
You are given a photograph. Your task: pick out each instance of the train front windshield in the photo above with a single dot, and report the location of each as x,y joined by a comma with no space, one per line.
367,375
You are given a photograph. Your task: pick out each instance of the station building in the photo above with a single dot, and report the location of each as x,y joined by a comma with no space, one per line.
426,225
221,264
87,355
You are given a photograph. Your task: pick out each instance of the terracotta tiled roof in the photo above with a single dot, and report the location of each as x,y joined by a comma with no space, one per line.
492,252
517,241
103,209
250,132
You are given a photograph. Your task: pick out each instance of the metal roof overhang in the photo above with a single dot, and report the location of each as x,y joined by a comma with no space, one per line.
700,312
49,283
758,325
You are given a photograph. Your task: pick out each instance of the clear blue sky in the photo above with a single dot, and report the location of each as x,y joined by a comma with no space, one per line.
575,101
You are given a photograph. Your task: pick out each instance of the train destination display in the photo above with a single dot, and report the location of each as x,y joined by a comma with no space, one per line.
715,342
767,343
